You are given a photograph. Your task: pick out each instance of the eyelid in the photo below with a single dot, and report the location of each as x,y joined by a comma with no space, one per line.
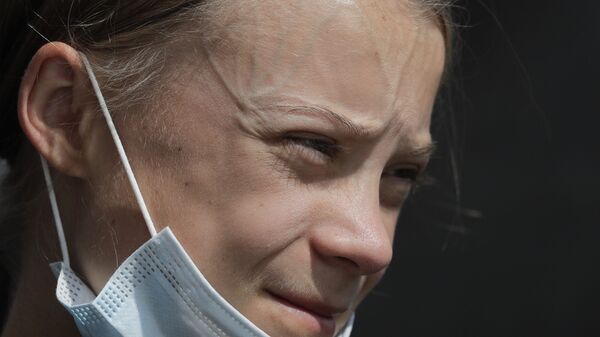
309,135
296,144
415,169
395,194
315,142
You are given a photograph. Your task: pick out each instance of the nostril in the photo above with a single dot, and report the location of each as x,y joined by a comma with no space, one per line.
349,262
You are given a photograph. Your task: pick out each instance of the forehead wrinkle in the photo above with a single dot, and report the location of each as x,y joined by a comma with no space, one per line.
384,34
385,29
403,70
271,27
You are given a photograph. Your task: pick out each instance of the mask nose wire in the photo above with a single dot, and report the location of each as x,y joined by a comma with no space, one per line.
128,171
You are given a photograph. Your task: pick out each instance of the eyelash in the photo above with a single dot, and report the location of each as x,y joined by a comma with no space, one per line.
411,174
314,148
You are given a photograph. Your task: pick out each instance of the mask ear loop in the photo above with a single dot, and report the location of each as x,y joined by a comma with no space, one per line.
130,176
120,148
57,221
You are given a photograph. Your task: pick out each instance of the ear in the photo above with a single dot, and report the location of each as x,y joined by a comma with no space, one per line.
54,106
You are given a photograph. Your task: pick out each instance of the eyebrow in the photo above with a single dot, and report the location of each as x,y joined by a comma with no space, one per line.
336,119
424,151
420,152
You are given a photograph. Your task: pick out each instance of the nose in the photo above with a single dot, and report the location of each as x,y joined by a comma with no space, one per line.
352,234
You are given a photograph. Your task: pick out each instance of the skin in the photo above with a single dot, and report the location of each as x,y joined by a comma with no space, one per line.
242,159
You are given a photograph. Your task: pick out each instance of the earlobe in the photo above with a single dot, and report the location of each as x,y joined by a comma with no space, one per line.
50,107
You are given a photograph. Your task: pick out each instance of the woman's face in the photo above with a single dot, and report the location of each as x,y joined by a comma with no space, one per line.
281,156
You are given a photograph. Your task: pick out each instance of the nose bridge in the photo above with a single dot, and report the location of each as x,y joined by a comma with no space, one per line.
353,233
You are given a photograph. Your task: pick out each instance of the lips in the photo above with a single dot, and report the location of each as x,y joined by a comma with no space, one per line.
314,307
316,314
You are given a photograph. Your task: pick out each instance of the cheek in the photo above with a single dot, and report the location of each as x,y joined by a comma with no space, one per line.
262,212
264,222
226,203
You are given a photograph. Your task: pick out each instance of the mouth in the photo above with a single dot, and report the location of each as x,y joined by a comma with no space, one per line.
316,316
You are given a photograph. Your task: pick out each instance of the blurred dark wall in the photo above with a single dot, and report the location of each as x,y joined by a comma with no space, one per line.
527,111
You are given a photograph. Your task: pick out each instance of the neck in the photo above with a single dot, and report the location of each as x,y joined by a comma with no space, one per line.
35,311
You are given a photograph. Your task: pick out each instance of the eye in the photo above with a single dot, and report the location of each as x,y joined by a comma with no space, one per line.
407,173
315,148
397,184
321,144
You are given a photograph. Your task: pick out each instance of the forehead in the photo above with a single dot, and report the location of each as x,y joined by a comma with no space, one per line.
372,61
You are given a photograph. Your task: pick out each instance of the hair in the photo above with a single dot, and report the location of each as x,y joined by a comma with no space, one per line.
126,42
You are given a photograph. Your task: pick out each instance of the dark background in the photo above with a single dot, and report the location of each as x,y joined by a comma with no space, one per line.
521,258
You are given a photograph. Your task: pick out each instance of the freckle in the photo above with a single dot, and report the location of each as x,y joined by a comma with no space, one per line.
186,184
179,149
113,221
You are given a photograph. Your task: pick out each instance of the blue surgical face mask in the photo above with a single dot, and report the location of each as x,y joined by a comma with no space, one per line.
157,292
